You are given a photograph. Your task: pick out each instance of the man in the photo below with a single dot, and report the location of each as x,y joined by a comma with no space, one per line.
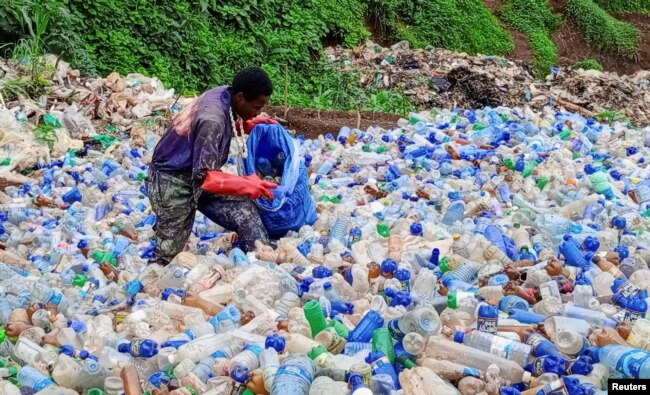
186,163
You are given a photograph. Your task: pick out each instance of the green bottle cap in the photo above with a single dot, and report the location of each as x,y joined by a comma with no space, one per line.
248,392
316,352
452,302
444,264
13,370
79,280
541,182
3,335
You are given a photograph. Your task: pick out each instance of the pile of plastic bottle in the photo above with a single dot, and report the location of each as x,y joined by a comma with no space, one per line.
472,252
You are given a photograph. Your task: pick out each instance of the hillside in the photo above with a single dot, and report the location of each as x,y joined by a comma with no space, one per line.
195,44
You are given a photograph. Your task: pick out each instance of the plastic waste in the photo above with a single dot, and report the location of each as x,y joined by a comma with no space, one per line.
479,248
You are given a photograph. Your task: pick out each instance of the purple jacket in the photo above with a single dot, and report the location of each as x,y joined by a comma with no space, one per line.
198,138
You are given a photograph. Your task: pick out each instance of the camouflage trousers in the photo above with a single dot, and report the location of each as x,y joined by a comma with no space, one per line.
175,199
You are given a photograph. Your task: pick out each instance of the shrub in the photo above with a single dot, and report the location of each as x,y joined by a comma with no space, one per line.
588,64
625,5
535,19
602,30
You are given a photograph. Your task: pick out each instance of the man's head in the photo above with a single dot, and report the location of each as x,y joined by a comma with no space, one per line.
251,90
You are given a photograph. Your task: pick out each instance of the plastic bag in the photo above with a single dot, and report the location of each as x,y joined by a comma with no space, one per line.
293,205
77,124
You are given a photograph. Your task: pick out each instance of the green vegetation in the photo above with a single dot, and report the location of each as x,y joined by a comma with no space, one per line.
602,30
192,45
535,19
624,6
588,64
462,25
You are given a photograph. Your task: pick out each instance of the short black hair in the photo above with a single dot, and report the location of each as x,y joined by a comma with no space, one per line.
253,82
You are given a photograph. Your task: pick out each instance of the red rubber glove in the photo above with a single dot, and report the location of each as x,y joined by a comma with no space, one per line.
251,123
221,183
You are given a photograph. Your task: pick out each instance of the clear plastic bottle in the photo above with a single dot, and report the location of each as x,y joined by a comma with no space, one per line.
294,376
269,362
505,348
443,349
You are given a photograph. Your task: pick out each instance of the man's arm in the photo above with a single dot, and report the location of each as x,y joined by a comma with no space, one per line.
209,147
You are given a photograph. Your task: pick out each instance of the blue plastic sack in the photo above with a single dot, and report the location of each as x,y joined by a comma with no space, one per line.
292,205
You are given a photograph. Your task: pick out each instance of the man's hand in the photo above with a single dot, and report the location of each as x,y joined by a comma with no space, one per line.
255,187
251,123
252,186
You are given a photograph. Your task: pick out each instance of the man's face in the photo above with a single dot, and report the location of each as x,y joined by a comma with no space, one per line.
249,109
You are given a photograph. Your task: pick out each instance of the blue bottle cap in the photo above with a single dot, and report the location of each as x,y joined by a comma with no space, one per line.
239,374
276,342
402,275
327,285
389,266
321,272
459,336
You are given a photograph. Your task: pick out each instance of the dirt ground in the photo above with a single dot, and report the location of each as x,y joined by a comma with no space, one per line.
312,123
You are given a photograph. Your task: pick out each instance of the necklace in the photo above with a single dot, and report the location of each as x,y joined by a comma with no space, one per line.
239,135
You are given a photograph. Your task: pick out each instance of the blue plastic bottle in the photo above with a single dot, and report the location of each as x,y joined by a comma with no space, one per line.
525,316
363,331
455,212
380,364
540,345
631,362
548,364
582,365
572,253
488,318
32,378
512,302
145,348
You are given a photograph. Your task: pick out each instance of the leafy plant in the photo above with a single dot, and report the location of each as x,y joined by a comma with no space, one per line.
618,6
535,19
588,64
463,25
545,51
14,88
602,30
46,134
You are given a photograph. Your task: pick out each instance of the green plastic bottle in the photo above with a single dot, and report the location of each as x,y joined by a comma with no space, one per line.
509,163
528,169
340,329
383,341
315,317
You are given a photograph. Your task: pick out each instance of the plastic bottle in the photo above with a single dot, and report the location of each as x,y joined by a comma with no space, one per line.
512,350
440,348
294,376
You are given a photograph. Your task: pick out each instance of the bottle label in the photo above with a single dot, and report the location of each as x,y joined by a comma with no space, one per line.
500,346
295,371
464,299
487,324
379,364
628,289
538,366
631,362
135,347
556,387
534,340
393,327
631,316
